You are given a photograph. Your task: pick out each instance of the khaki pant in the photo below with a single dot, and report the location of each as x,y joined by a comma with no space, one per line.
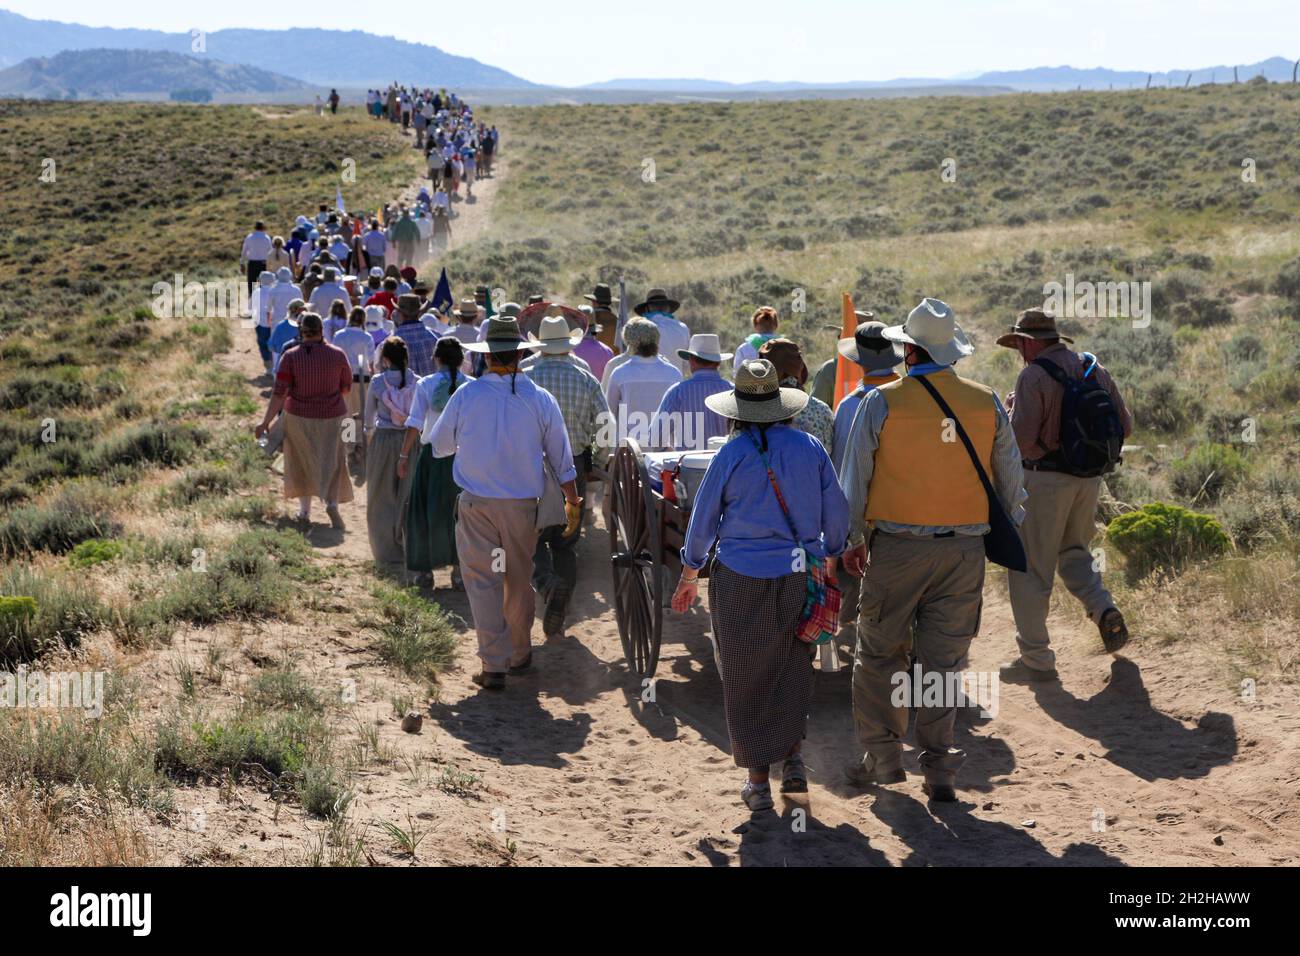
920,596
495,540
1060,523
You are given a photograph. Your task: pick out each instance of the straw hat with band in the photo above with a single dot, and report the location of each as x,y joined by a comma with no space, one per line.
868,347
932,326
1032,324
468,309
758,396
555,337
503,336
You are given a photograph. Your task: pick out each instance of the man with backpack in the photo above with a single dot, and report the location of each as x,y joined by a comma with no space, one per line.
1070,422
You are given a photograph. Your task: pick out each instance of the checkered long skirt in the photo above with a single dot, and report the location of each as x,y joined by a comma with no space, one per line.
767,673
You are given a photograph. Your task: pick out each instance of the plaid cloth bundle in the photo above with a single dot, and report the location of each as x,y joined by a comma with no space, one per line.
820,620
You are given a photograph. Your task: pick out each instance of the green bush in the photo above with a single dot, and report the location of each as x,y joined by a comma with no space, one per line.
1208,471
75,515
1162,536
40,612
415,636
94,551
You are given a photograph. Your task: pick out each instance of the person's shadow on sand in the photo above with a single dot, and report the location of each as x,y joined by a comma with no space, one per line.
1137,737
512,727
950,836
795,838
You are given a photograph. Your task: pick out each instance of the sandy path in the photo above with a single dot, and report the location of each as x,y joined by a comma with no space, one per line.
1148,759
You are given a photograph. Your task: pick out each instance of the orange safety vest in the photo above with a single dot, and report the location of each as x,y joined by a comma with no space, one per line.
923,474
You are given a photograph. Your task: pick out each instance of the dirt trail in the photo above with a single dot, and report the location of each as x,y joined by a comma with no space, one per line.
1151,758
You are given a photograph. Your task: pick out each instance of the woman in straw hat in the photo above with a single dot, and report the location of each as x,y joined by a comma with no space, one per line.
769,501
310,382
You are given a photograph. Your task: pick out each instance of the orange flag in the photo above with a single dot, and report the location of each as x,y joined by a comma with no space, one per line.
847,374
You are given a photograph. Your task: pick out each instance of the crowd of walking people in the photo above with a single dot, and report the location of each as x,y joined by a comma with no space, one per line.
476,427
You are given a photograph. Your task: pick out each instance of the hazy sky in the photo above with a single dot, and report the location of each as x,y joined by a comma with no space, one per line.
571,42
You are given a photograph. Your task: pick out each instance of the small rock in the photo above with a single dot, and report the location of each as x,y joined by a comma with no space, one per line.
1060,753
990,805
1029,824
1078,756
412,722
1218,841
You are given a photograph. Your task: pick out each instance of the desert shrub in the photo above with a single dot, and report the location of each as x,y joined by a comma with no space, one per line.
1255,517
415,636
206,481
283,689
1201,311
1161,536
1287,283
41,612
94,551
76,514
1168,404
150,443
43,393
1208,471
277,743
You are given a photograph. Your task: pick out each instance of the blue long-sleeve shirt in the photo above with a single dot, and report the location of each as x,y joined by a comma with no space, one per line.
736,506
499,438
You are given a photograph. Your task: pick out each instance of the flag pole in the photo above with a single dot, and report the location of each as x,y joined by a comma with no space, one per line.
847,374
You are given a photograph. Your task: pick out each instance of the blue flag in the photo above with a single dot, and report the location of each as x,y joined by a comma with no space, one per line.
442,300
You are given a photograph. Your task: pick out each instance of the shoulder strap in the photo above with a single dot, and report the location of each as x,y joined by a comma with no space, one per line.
961,433
1052,369
780,498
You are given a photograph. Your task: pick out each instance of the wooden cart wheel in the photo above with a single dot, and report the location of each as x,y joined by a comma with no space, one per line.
636,558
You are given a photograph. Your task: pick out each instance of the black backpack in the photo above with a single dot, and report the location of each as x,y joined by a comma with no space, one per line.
1092,435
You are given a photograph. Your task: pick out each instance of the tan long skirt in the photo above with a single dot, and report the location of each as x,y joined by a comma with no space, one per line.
315,461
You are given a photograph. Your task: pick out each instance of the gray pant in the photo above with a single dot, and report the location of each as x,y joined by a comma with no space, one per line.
921,595
495,540
1060,523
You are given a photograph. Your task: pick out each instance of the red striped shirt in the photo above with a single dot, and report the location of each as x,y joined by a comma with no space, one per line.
314,377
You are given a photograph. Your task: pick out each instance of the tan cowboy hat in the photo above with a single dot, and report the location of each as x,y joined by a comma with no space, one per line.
758,396
502,336
468,308
1032,324
657,301
555,337
705,346
869,348
932,326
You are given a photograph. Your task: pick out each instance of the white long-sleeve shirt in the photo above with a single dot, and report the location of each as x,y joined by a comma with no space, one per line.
635,390
256,247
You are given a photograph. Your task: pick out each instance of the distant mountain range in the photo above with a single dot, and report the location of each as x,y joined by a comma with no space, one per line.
103,74
353,61
323,57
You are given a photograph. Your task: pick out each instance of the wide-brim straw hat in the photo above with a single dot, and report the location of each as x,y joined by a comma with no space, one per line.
758,396
468,308
1032,324
932,326
705,346
556,338
657,301
502,336
869,348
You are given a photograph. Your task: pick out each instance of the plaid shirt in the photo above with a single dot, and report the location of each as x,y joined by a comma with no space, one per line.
581,401
420,343
314,376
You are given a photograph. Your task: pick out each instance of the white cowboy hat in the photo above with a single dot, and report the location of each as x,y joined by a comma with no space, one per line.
376,317
706,346
758,396
931,325
555,337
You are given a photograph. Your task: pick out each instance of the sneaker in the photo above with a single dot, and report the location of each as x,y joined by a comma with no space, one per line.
868,773
336,519
1114,632
490,680
757,797
1018,672
939,792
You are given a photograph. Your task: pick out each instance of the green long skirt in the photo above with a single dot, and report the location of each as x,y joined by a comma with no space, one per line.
431,514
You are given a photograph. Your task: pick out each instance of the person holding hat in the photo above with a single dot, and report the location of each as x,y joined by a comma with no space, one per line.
765,322
673,333
592,349
637,386
310,382
419,340
877,357
907,472
505,433
769,502
585,412
816,419
1061,514
683,421
602,303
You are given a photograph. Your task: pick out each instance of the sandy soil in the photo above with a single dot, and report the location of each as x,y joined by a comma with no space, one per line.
1149,758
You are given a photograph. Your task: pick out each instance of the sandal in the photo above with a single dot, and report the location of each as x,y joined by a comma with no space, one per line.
757,797
794,776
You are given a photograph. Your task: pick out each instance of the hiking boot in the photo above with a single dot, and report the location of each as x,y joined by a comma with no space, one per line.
523,667
1018,672
939,792
336,519
557,604
490,680
868,773
1114,632
757,797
